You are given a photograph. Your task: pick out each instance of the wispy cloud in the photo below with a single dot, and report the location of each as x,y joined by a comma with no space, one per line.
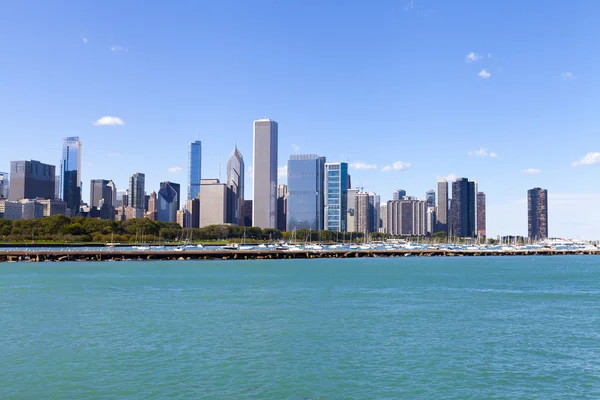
484,74
397,166
296,148
282,172
589,159
118,48
568,76
472,57
532,171
483,152
450,177
410,4
175,169
84,40
114,155
362,165
109,121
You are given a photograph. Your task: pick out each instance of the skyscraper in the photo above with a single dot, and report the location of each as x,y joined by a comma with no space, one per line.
481,215
464,199
152,213
430,198
282,194
4,185
336,196
264,206
101,198
137,196
70,173
30,180
305,192
407,217
192,214
351,222
194,169
442,206
168,201
364,212
398,194
213,203
235,183
537,210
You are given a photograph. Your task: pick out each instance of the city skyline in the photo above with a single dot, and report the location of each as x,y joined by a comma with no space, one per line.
481,106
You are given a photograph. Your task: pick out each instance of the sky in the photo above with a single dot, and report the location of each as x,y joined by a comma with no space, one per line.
502,92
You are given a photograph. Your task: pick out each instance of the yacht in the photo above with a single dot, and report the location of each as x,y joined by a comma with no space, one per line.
234,246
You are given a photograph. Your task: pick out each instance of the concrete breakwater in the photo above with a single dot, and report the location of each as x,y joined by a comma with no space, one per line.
270,254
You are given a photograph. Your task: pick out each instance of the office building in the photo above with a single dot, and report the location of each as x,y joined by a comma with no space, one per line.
31,209
192,214
248,213
70,174
194,169
213,203
430,198
180,218
264,206
235,183
53,207
11,210
305,192
136,195
384,219
430,220
442,206
351,222
481,215
464,208
375,201
101,198
168,201
282,194
30,180
4,185
398,194
336,196
152,212
407,217
537,213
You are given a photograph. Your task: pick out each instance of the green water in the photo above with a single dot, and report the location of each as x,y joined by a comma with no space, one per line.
506,327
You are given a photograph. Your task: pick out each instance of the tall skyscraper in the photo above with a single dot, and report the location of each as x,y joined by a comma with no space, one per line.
70,173
282,195
306,173
264,206
442,206
464,199
168,201
537,210
398,194
213,203
235,183
4,185
364,212
336,196
101,199
430,198
351,222
30,180
152,213
481,215
194,169
137,197
192,214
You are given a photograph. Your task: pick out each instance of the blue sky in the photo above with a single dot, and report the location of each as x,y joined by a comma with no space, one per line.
484,90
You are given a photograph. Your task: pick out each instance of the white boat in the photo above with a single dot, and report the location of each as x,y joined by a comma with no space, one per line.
179,248
313,247
234,246
246,247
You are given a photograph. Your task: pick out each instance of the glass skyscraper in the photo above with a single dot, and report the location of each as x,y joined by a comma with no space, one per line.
336,196
235,183
137,194
194,169
305,192
168,201
537,213
70,174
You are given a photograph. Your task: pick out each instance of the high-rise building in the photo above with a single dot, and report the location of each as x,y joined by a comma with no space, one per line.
407,217
30,180
282,193
375,201
4,185
336,196
192,214
481,215
305,192
264,207
537,213
430,220
442,206
351,222
384,218
248,212
464,199
101,199
235,183
194,169
152,213
136,196
168,201
364,212
213,203
398,194
430,198
70,173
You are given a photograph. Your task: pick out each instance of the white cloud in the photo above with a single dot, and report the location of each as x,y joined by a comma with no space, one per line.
118,48
449,177
109,121
282,172
473,57
568,76
410,5
397,166
483,152
84,40
484,74
296,148
175,169
589,159
362,165
532,171
114,154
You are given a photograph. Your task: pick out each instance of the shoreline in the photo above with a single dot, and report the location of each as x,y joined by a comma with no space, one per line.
138,255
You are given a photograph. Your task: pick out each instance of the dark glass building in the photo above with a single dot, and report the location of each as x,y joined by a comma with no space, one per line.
305,192
136,197
71,174
31,180
464,208
168,201
537,218
102,195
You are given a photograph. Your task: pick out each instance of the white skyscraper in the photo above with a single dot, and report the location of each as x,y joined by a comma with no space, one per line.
264,208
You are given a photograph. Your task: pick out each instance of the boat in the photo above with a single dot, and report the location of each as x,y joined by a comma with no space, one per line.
234,246
179,248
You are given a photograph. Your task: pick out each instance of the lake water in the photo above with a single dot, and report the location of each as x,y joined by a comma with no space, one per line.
507,327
